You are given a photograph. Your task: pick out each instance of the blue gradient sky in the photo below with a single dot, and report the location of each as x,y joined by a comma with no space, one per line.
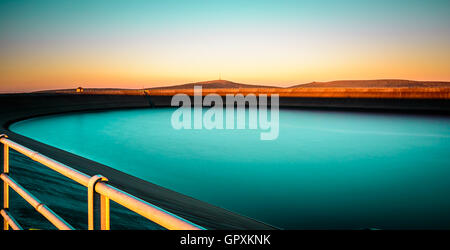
133,44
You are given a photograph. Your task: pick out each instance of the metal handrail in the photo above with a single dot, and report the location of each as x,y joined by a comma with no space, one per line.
51,216
10,220
99,194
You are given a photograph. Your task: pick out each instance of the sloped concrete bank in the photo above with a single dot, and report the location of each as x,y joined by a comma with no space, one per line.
366,104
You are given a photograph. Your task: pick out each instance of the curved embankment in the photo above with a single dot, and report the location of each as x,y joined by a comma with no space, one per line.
16,107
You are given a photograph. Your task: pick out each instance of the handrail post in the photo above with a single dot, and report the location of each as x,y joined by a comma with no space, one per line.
98,206
4,189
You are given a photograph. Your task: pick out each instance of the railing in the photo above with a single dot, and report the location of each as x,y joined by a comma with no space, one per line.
99,194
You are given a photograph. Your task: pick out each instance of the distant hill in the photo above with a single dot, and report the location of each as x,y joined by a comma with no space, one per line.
382,83
344,88
215,84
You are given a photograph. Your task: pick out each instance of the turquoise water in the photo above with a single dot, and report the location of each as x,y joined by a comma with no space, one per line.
326,170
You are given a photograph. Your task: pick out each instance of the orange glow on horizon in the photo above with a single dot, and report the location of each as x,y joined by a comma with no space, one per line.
267,44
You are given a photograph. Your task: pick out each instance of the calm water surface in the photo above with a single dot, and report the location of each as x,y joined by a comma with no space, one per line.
326,169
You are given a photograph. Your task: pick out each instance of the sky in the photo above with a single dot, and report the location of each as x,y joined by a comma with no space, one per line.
134,44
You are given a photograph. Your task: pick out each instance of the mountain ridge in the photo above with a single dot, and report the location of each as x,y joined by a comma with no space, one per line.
216,84
339,84
377,83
